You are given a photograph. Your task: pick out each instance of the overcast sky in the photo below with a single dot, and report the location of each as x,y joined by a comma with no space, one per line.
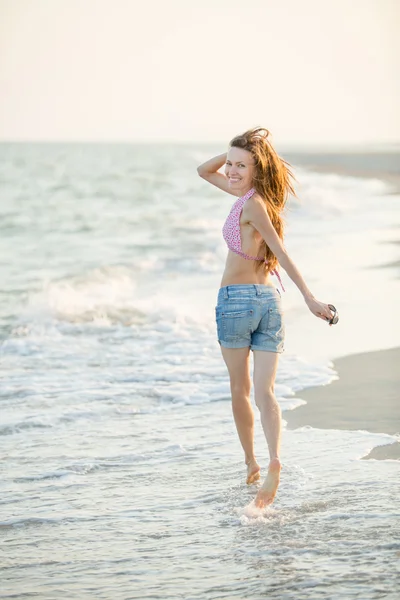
311,71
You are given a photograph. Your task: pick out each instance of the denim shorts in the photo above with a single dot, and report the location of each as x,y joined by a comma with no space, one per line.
250,315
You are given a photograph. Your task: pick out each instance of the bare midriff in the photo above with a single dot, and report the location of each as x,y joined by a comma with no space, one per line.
240,270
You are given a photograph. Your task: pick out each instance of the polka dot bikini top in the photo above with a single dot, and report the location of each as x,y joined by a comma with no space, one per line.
231,231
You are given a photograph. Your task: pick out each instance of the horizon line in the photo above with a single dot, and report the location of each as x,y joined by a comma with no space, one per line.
327,144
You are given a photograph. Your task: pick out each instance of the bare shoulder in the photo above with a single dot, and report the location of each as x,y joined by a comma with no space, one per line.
255,203
255,211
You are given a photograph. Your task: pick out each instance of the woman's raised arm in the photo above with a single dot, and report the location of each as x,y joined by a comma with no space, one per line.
209,172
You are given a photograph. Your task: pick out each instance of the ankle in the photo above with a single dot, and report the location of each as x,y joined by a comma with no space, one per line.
275,463
249,460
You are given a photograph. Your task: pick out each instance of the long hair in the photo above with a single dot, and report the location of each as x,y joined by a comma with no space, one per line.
272,180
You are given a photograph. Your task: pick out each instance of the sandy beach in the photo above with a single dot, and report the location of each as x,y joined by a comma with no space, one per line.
365,397
379,165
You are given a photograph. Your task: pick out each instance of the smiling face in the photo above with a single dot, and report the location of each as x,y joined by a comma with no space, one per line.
239,169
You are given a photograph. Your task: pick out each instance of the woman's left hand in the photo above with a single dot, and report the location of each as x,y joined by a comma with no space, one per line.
319,309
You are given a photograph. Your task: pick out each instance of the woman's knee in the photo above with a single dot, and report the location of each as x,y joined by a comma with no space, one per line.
240,388
265,399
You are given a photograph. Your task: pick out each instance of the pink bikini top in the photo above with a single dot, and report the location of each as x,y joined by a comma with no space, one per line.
231,231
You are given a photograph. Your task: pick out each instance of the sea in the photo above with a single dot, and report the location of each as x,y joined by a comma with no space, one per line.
121,474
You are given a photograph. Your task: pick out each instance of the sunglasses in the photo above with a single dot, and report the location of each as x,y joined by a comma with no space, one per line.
335,317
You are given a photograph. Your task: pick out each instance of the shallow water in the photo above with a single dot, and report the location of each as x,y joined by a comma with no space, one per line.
153,505
122,475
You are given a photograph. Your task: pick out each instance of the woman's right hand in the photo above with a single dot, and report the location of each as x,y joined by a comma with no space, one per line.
319,309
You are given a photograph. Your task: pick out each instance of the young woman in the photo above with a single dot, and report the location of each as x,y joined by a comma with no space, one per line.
248,312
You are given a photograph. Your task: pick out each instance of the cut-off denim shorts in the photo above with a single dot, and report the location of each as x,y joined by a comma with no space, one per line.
250,315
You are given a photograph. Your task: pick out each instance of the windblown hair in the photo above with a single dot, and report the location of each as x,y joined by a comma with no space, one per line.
272,180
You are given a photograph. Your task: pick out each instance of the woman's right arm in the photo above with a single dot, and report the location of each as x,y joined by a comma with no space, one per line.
258,217
209,172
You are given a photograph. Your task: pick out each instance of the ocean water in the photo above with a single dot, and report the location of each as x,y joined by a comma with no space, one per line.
121,473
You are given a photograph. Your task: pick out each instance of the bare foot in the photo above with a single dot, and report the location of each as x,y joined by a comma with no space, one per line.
266,493
253,472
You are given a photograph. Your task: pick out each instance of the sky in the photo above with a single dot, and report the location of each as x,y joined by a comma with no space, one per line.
311,71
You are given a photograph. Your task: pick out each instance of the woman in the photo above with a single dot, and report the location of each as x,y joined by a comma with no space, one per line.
248,311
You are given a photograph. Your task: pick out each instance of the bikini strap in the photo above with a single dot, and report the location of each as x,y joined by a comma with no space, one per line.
248,194
276,272
279,278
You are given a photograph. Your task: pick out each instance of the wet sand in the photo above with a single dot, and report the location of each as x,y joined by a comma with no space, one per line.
367,394
365,397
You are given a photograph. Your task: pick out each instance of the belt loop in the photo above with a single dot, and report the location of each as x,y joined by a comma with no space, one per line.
258,291
226,296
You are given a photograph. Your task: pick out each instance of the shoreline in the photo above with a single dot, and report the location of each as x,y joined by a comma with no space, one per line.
365,397
370,165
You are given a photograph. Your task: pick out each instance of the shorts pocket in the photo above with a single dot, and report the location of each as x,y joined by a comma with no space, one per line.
275,322
235,324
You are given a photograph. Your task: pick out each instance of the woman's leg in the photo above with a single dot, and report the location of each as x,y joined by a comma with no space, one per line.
265,367
238,362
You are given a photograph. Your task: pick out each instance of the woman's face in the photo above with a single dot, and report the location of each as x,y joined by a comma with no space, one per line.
239,169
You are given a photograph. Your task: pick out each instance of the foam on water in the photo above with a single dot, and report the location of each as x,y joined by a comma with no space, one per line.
116,423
